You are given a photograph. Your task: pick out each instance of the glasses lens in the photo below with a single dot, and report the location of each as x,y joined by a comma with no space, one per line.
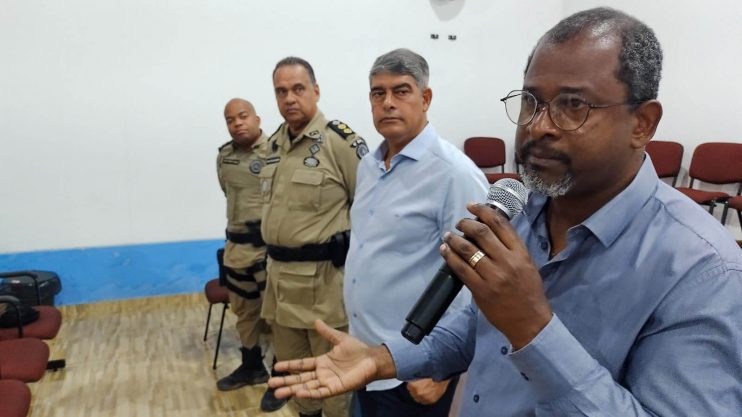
568,111
520,107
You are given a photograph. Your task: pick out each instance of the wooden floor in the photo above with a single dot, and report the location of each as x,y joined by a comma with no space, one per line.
141,358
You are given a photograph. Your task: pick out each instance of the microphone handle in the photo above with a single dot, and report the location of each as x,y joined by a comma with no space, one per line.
431,305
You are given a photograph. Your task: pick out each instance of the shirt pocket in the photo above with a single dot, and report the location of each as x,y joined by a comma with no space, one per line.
298,283
305,193
266,182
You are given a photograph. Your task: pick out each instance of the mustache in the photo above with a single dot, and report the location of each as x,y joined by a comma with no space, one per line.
541,152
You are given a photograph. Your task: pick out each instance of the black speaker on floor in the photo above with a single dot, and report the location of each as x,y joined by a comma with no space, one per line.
32,287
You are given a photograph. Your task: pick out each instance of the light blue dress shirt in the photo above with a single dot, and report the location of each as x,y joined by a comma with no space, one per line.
647,298
397,220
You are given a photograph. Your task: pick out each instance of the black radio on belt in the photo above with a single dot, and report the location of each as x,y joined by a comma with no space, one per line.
222,271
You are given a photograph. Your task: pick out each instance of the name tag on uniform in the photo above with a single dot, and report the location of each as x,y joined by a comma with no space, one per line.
231,161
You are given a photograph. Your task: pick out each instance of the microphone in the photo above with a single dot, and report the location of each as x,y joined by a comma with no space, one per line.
507,196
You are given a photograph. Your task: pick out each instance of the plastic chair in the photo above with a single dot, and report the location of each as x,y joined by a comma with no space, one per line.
16,398
487,153
23,359
215,294
45,327
715,163
666,157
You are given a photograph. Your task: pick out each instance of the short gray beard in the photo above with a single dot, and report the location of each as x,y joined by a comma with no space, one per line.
534,182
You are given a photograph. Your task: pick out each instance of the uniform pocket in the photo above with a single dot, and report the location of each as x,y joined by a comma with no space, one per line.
266,182
297,283
305,193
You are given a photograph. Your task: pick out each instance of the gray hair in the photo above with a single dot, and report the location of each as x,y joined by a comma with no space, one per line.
402,61
293,60
640,58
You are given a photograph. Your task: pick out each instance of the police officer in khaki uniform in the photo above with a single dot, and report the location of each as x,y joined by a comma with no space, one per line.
243,263
307,186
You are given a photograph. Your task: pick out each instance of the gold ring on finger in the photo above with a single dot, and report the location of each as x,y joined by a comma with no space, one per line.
478,255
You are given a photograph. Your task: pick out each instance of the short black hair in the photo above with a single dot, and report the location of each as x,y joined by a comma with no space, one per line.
293,60
640,58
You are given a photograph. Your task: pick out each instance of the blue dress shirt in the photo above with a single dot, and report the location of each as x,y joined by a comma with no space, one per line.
647,301
397,221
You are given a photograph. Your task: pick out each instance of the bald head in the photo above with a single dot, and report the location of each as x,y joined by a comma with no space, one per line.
242,122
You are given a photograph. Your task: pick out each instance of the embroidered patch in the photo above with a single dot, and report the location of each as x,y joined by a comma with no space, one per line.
255,166
360,146
272,160
314,149
311,162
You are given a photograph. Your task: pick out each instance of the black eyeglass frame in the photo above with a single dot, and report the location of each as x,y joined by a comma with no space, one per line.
540,104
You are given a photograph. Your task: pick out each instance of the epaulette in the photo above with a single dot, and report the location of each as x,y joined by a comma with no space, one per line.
272,139
225,145
273,135
340,128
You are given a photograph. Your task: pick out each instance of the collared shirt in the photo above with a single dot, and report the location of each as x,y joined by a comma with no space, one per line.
398,219
647,318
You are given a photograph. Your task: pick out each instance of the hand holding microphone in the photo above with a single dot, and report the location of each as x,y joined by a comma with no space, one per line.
507,197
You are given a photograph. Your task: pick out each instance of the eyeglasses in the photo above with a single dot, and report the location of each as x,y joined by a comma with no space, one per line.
568,111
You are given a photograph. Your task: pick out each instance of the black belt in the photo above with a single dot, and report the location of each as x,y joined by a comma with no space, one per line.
335,250
253,238
312,252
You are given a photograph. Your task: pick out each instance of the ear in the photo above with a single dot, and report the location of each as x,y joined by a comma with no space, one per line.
257,118
427,98
316,91
648,116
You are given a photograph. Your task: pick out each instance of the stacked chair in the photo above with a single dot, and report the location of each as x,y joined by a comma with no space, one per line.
715,163
487,153
666,157
24,357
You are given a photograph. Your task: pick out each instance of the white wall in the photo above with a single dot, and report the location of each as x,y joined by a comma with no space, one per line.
111,110
702,72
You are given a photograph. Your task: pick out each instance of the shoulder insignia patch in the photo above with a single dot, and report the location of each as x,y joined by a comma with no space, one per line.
340,128
225,145
360,146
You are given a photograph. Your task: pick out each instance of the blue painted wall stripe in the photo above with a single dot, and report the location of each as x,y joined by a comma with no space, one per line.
120,272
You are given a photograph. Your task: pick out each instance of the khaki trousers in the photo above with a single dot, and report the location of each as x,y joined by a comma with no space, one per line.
249,324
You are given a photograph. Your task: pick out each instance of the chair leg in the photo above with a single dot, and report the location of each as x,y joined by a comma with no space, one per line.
208,319
56,364
739,216
219,338
724,214
712,205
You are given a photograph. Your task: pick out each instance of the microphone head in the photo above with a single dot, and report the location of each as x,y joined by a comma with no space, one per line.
509,195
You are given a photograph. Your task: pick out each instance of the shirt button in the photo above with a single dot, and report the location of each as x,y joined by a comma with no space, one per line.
371,212
354,280
544,245
355,315
503,350
476,398
524,376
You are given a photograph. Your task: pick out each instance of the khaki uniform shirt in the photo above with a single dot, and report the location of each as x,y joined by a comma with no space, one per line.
308,186
238,171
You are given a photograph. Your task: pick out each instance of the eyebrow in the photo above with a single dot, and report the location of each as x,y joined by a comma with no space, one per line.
394,87
534,90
